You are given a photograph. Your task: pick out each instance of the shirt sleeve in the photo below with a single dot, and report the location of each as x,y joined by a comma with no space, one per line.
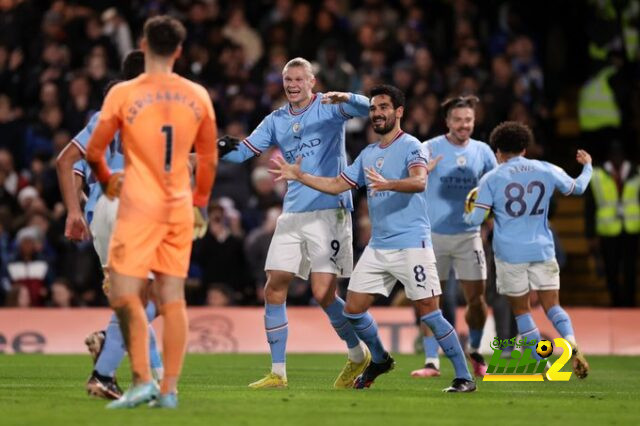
356,106
206,154
566,184
490,161
259,141
354,173
81,140
80,168
416,156
103,133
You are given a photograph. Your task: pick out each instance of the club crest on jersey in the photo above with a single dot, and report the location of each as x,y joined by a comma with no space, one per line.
461,161
296,127
379,162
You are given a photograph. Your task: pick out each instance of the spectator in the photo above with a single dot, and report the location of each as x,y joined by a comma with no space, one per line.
28,268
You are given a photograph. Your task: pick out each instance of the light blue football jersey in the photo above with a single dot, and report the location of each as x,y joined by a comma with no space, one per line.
518,191
315,133
398,219
114,157
449,183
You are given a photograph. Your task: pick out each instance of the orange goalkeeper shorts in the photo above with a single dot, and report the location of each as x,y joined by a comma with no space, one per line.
143,245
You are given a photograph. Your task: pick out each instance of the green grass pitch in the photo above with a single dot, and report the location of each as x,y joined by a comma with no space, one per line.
49,390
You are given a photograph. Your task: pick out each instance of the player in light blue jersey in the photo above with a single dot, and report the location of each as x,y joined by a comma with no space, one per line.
106,347
395,171
313,233
456,244
518,192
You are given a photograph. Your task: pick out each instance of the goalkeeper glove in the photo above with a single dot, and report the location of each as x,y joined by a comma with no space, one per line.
199,222
226,144
112,187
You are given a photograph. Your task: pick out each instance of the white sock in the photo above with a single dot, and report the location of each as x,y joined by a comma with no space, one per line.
571,339
434,361
279,368
356,353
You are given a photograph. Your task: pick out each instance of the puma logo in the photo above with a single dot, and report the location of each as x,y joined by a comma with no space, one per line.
421,286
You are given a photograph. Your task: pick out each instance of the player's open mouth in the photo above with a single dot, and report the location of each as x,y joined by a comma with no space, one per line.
378,121
293,92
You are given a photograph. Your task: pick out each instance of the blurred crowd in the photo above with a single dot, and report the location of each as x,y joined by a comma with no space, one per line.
530,61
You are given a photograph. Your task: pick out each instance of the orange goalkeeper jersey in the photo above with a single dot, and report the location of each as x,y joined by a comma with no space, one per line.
160,117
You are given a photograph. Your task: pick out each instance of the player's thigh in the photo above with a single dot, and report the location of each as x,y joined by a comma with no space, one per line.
371,274
173,253
545,275
328,237
286,250
442,249
416,269
512,279
102,224
468,257
133,246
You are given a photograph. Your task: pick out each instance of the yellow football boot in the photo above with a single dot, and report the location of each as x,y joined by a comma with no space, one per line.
352,370
270,381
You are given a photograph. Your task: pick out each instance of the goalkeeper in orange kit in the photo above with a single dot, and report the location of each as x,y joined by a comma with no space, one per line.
161,116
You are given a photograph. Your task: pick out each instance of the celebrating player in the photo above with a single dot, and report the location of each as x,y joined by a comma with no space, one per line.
395,171
160,116
314,232
457,244
106,347
518,192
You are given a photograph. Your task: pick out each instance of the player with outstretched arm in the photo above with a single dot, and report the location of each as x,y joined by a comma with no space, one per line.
395,172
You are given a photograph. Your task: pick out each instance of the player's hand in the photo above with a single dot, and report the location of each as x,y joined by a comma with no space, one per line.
113,186
335,97
583,157
200,224
75,227
286,171
226,144
433,163
106,282
377,182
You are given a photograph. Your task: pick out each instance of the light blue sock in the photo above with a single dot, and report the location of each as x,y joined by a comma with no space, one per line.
448,340
561,321
367,330
154,356
113,350
430,344
475,337
277,327
527,329
341,324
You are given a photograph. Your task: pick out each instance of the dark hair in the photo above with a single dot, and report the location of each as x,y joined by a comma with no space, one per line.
511,137
459,102
396,95
132,65
164,34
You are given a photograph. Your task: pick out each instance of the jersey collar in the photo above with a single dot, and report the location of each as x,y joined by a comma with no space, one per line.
400,133
301,111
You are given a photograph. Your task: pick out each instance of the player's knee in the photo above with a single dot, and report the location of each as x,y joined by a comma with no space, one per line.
426,306
323,294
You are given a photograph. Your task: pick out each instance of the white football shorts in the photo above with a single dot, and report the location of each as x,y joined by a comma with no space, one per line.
462,251
378,271
316,241
517,279
104,219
